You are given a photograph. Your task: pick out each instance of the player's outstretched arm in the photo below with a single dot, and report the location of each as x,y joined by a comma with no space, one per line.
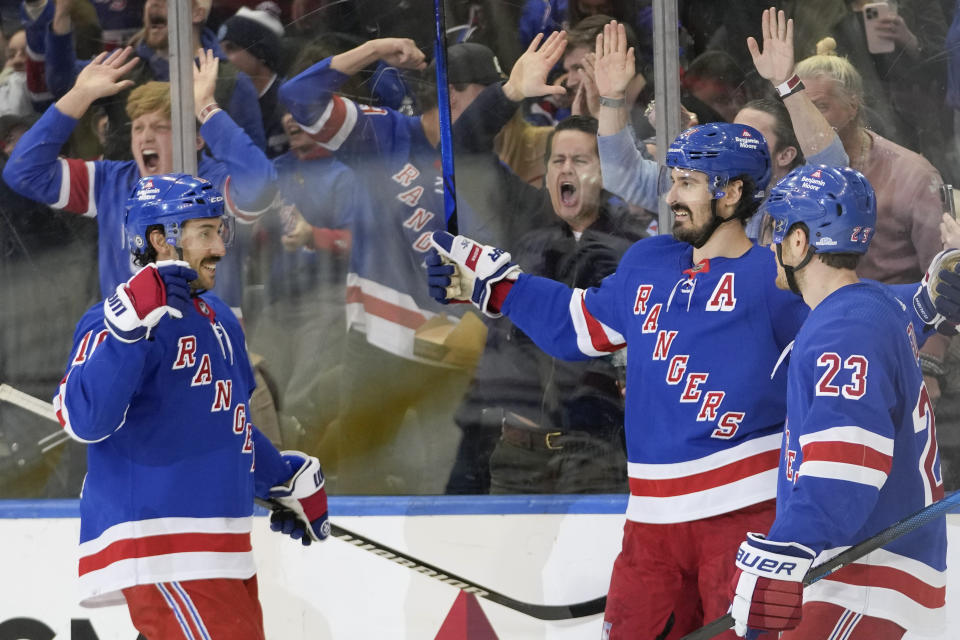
557,318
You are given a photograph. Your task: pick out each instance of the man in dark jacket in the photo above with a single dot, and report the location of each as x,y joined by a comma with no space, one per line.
545,425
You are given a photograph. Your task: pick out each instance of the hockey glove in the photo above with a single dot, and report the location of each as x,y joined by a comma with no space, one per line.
477,268
304,516
767,587
138,305
937,299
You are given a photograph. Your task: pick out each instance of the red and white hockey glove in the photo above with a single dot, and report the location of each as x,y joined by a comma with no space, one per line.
767,588
304,514
477,268
154,291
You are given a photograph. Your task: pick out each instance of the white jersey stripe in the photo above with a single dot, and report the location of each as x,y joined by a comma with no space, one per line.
64,196
91,211
850,435
103,587
581,326
843,471
706,463
164,526
704,504
343,129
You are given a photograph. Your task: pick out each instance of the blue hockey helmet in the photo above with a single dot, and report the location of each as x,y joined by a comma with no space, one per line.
170,200
723,151
837,204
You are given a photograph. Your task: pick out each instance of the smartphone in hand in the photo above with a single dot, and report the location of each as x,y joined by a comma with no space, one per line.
872,14
946,200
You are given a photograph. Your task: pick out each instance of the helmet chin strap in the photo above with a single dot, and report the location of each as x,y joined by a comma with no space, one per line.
714,224
792,271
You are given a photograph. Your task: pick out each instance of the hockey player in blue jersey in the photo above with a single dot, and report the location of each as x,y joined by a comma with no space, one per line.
703,420
859,449
158,386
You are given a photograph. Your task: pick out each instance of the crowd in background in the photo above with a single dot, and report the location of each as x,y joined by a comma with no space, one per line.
355,363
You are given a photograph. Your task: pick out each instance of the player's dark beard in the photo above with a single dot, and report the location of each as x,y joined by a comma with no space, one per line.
692,234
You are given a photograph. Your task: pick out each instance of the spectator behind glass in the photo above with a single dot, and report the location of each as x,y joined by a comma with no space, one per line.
50,38
904,89
906,185
14,97
953,85
714,87
306,245
251,41
545,425
578,62
99,189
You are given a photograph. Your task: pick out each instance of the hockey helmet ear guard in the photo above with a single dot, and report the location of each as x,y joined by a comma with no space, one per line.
837,204
171,200
723,151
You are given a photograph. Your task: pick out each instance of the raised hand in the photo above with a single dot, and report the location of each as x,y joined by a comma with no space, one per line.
204,80
528,77
589,95
776,61
615,64
103,76
401,53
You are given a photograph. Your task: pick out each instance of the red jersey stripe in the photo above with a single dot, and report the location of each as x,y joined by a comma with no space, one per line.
165,544
78,200
847,453
386,310
598,337
861,575
338,115
670,487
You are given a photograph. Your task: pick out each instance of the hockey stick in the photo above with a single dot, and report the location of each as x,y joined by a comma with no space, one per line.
539,611
888,535
446,130
38,407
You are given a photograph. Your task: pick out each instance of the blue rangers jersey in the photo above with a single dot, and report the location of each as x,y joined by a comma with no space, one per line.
704,417
99,189
399,167
859,454
173,461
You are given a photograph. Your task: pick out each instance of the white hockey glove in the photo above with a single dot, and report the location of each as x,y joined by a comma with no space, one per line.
154,291
937,299
466,271
767,587
304,516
